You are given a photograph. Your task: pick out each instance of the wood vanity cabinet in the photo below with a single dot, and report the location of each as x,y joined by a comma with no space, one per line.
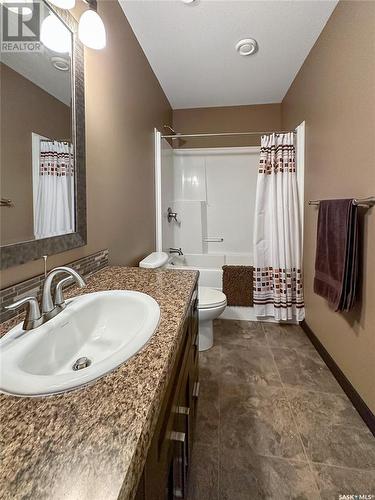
165,475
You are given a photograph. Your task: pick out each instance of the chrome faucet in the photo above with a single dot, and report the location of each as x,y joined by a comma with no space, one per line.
34,317
178,251
50,308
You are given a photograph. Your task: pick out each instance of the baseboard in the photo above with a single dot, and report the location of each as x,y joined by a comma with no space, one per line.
358,403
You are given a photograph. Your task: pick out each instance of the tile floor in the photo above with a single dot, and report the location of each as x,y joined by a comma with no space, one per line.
273,423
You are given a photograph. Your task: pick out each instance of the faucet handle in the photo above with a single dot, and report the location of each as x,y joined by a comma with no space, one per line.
59,296
49,309
171,215
33,317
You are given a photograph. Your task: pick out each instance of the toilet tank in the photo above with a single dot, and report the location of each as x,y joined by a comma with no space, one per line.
155,260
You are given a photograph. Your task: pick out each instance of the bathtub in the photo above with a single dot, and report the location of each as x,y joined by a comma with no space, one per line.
211,274
210,265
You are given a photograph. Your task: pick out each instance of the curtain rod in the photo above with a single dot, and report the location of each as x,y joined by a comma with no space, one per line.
223,134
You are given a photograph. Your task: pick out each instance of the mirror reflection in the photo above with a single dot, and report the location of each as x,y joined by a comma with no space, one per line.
37,156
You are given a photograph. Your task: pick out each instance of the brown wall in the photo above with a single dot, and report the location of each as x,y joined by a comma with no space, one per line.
25,108
124,102
258,118
334,93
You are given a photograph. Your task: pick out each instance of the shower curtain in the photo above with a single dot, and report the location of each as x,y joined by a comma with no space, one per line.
55,199
278,287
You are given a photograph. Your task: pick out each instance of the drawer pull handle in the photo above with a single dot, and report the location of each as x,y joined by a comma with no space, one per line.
177,493
177,436
183,410
180,473
196,389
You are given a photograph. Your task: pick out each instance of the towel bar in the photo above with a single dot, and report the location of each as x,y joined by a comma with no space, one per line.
361,202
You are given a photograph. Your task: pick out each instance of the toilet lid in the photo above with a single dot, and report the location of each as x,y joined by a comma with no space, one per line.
209,297
154,260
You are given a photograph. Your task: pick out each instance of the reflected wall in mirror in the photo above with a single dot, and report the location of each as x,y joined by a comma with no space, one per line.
42,138
37,172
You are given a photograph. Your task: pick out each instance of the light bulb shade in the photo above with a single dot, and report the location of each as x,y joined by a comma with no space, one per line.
54,35
91,30
63,4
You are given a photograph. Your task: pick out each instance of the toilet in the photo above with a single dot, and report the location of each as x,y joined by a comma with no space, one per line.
211,302
155,260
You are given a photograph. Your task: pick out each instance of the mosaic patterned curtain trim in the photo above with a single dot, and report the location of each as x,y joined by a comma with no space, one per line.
280,287
56,158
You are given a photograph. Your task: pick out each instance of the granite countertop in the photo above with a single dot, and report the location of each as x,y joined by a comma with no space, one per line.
92,443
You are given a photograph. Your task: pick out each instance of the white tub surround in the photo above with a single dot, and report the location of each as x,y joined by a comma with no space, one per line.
192,217
212,190
210,266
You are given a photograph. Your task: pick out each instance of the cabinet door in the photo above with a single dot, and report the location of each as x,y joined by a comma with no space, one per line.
141,495
194,363
182,435
167,466
186,410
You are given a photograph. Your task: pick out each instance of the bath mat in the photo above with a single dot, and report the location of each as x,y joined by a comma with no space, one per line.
238,285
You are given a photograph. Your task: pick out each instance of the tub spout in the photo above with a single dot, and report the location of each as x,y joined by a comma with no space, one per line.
178,251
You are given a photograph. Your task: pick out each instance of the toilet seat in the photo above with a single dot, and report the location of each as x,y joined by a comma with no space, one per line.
209,298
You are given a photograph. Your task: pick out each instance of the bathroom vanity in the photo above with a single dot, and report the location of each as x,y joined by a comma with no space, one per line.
129,434
165,475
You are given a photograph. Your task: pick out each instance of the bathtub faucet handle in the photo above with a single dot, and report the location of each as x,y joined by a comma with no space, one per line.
172,215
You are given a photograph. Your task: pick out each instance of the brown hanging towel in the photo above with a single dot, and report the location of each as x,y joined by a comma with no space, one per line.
336,261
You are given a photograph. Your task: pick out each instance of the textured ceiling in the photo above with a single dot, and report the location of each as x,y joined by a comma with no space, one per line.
191,48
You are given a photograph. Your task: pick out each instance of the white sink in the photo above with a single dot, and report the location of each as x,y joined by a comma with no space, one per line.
108,328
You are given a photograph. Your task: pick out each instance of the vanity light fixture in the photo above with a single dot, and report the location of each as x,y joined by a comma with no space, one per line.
91,30
54,35
63,4
247,47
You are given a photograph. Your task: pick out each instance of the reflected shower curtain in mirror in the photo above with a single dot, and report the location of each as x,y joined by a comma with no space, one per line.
55,199
278,287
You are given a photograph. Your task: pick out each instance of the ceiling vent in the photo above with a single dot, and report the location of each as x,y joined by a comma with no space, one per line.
247,47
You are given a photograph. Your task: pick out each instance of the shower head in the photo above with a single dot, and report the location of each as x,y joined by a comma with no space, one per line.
170,128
